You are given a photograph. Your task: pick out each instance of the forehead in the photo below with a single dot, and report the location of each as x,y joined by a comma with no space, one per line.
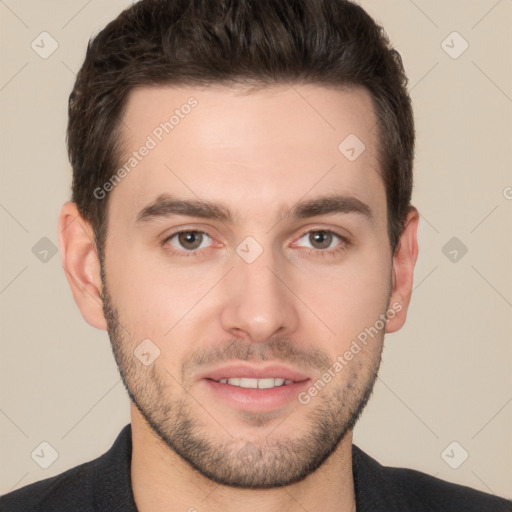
271,146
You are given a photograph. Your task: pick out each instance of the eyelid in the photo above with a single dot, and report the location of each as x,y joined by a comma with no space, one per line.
205,229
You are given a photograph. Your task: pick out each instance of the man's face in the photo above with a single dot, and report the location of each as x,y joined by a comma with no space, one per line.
276,281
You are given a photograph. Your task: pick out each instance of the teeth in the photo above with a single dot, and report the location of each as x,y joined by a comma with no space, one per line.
244,382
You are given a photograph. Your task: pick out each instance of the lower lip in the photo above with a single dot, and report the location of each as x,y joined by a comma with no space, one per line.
257,400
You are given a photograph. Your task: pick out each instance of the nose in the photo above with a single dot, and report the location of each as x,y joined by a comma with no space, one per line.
258,301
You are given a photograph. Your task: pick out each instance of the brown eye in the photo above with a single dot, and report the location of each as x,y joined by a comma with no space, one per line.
189,240
320,239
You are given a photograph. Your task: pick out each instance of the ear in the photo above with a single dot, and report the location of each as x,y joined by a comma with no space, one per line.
81,264
404,261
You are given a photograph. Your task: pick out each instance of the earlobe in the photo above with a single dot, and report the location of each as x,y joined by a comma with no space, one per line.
81,264
404,261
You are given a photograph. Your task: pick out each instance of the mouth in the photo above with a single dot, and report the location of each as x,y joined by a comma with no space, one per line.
254,389
267,383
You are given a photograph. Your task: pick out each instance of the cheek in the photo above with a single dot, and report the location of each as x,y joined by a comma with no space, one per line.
154,300
160,301
349,297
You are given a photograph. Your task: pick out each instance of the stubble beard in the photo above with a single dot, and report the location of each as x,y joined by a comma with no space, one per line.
258,463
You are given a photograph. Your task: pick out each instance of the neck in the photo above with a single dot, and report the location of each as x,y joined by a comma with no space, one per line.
162,481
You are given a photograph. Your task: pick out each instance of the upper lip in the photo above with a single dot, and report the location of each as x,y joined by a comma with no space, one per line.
254,372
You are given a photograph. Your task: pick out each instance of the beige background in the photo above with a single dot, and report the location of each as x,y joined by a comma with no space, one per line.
445,377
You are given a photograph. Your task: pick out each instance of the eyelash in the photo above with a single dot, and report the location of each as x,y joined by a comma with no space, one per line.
337,250
184,253
340,248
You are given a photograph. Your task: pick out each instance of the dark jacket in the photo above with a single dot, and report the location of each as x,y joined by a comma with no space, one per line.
103,484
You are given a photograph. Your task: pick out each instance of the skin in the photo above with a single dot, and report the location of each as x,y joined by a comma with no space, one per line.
299,303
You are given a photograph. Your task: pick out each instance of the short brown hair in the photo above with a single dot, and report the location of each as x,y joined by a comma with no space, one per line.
232,42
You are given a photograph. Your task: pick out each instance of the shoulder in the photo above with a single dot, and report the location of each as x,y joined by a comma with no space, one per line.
100,484
443,495
407,489
69,490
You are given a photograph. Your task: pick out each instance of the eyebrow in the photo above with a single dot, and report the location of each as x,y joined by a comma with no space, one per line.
329,205
167,206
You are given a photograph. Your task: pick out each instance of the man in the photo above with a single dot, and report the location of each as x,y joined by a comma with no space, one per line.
241,218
